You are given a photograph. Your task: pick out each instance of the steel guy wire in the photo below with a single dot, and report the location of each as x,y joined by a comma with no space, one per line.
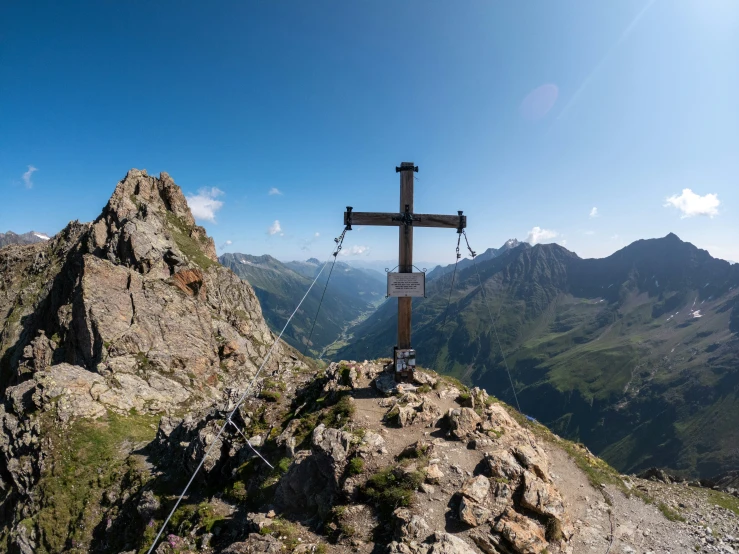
451,287
240,432
339,242
492,321
240,401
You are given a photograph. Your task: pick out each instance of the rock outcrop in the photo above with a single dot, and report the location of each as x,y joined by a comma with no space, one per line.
130,314
313,482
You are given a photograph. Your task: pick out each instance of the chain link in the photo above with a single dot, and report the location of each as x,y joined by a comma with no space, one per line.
451,287
472,252
339,241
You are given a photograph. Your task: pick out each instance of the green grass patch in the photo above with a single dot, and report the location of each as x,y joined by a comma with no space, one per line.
85,460
597,471
285,531
355,466
464,399
270,395
392,488
190,247
341,412
669,513
271,384
449,381
724,500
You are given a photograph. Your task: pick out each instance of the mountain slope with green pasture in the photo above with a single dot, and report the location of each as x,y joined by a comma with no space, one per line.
636,355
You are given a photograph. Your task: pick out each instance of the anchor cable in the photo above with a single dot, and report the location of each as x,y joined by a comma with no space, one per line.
492,321
451,287
339,241
241,400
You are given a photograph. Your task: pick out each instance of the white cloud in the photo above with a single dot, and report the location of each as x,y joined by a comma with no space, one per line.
692,204
594,212
616,237
275,191
204,205
537,235
27,177
563,242
317,235
275,228
355,250
589,232
225,244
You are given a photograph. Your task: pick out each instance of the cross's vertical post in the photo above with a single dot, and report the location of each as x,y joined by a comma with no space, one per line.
405,253
405,287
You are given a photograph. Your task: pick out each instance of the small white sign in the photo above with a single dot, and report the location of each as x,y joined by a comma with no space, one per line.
406,284
405,360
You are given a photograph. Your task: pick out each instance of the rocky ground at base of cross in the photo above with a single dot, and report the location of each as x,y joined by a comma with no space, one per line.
435,467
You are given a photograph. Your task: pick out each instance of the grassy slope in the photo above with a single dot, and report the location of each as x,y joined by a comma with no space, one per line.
86,459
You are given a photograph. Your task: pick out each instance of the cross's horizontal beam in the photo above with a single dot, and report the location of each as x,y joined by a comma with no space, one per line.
397,219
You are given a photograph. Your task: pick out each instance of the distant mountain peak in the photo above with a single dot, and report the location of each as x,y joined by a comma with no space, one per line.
22,239
314,261
511,243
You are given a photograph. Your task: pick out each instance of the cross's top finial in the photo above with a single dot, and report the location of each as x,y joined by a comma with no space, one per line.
406,166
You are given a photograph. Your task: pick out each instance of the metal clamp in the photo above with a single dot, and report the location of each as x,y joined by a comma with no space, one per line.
407,218
349,218
406,168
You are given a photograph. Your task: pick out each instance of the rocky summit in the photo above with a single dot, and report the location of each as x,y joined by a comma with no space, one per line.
125,346
113,322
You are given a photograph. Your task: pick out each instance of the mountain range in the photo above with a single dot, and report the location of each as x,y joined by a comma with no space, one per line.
31,237
465,262
636,354
352,293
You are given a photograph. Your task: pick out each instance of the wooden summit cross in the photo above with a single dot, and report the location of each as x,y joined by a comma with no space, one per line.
405,287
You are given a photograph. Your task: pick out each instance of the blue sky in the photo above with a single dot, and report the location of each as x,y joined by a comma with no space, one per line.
526,115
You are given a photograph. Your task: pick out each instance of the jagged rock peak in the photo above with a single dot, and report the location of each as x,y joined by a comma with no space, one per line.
158,194
147,225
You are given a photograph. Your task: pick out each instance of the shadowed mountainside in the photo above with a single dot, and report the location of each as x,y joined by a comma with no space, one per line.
280,286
